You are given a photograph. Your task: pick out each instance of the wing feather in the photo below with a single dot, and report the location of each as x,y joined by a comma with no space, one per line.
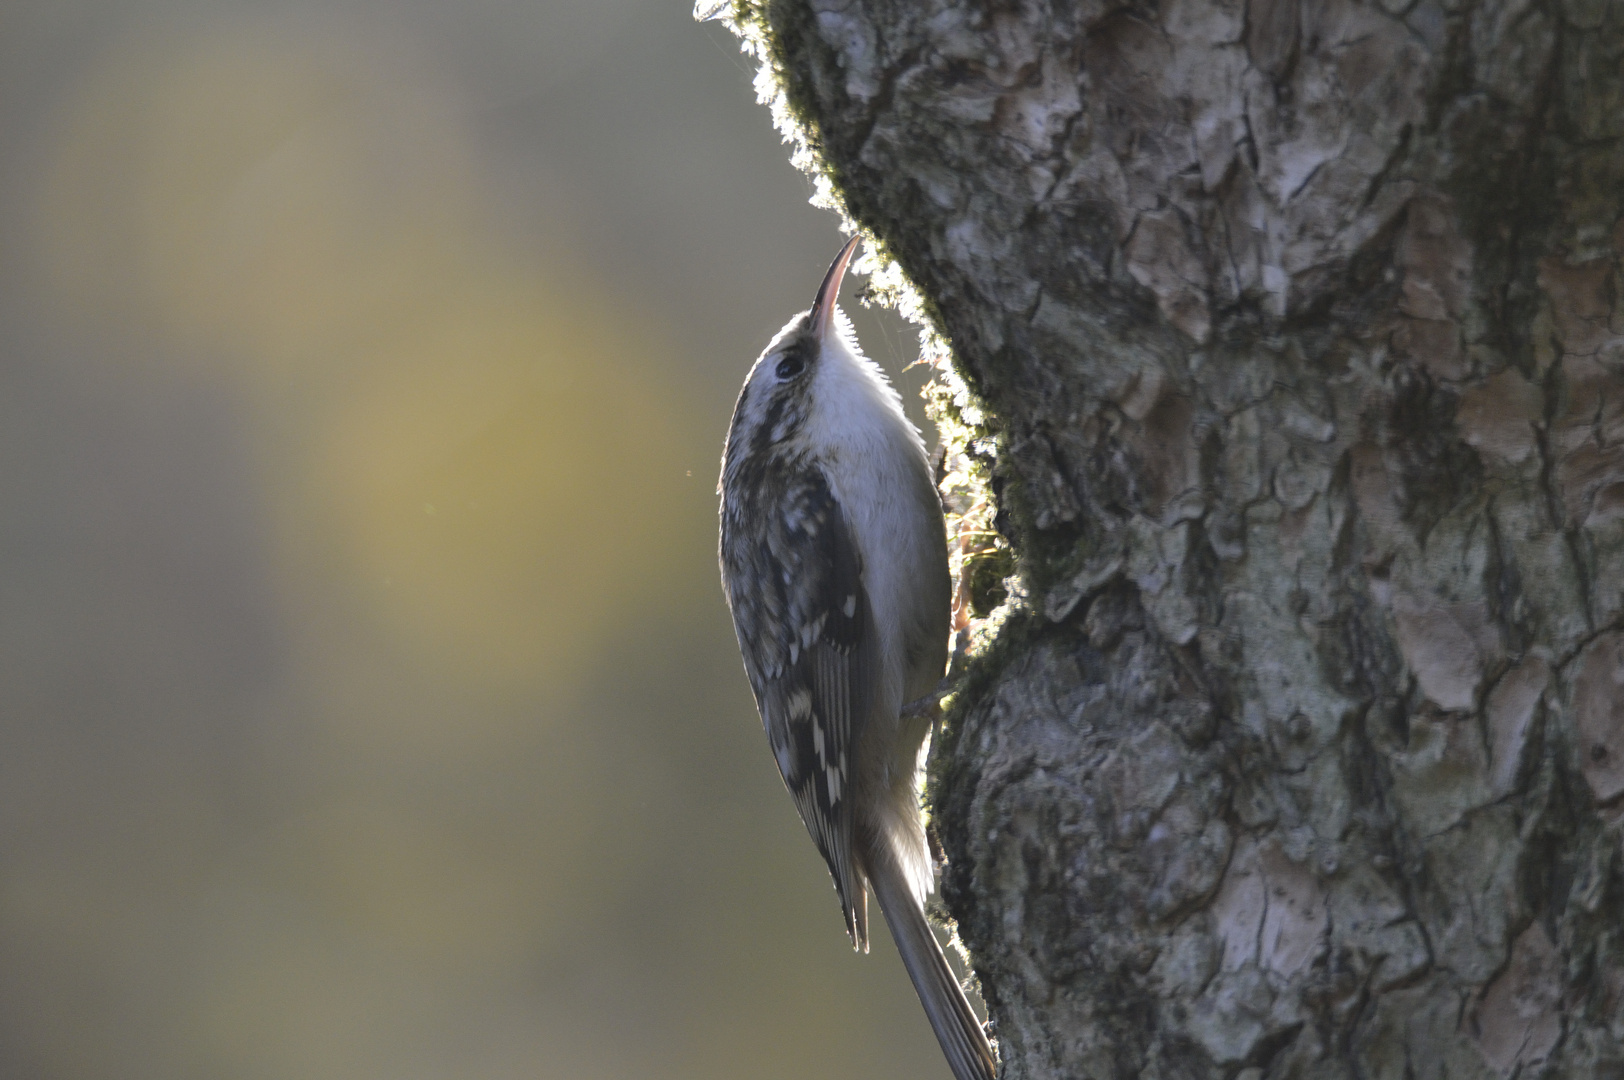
794,580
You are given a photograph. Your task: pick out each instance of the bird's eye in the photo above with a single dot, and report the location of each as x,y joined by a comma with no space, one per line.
791,365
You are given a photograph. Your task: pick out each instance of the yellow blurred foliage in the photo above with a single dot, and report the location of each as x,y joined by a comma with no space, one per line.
391,743
503,505
409,883
488,450
258,197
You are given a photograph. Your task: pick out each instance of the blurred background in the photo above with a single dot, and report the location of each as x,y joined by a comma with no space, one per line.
368,704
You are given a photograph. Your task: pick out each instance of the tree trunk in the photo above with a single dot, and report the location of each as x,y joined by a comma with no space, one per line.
1300,752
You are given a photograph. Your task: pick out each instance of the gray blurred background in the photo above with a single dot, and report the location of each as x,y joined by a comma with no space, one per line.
368,705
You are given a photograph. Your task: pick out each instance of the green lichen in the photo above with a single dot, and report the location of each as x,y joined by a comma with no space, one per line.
983,564
988,604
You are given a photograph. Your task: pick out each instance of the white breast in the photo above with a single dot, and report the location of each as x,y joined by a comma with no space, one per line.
879,473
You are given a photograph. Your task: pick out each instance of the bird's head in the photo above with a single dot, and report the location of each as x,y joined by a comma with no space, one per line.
778,393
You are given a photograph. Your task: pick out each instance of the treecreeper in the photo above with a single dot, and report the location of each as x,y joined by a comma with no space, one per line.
834,561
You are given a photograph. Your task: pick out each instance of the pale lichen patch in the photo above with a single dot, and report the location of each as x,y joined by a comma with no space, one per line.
1160,259
1598,713
1497,418
1510,710
1443,774
1518,1020
1447,646
1269,911
1581,302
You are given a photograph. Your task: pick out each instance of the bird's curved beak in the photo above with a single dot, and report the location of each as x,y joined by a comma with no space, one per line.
823,308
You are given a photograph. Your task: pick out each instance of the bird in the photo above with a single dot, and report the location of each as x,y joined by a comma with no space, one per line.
834,563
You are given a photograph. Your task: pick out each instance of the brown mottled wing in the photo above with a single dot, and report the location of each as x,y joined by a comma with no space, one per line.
794,581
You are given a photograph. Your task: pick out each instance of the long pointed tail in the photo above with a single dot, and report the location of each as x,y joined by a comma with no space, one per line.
956,1026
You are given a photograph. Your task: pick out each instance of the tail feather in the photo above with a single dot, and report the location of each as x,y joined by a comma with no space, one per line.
957,1029
854,905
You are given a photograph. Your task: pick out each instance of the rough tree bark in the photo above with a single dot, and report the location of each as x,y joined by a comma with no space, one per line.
1298,334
